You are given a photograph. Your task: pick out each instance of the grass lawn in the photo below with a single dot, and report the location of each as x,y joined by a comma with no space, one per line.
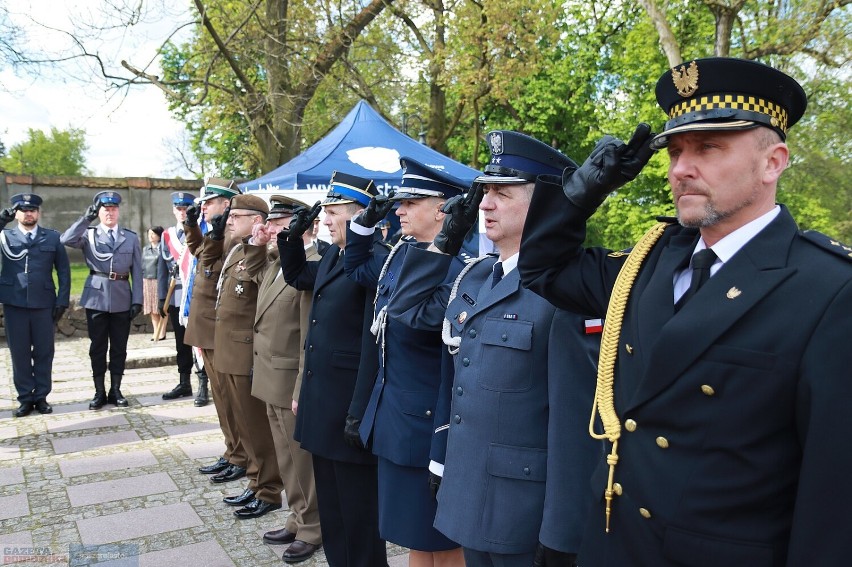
79,273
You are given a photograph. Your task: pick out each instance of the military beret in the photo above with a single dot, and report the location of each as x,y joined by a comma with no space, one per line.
250,203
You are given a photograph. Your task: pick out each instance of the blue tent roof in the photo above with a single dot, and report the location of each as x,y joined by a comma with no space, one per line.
363,144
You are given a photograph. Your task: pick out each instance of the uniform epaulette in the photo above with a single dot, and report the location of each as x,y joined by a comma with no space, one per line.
665,218
127,230
827,243
620,253
385,244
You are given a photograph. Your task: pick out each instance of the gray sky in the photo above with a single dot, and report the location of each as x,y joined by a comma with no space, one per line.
129,133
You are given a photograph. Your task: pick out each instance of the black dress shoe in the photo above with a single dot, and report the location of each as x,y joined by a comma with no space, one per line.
23,410
299,551
279,537
232,472
245,498
43,407
255,509
216,467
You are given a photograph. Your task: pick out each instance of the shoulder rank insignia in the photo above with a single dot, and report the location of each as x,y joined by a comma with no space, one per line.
619,253
827,243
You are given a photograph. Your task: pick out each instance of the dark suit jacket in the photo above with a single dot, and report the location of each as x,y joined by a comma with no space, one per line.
404,395
335,351
740,401
34,288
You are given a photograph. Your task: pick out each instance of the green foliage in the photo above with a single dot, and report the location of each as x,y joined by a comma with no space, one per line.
59,153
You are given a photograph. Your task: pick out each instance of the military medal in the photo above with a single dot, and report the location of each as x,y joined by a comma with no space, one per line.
239,289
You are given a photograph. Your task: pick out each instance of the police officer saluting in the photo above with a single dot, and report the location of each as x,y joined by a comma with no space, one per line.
31,303
726,390
112,294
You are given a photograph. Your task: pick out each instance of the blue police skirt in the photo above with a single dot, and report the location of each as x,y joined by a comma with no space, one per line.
407,509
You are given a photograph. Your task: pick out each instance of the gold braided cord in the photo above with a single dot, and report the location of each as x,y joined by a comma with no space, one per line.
604,403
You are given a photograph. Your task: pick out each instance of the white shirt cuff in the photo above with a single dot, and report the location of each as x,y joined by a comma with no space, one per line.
362,230
436,468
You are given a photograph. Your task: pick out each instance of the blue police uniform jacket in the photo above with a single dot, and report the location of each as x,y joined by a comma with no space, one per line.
518,455
28,280
401,409
734,410
337,348
100,292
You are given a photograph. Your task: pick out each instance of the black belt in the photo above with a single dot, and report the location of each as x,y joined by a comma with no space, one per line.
110,275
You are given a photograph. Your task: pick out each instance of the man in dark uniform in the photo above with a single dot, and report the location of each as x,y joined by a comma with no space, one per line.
174,265
510,448
725,389
31,302
338,349
112,294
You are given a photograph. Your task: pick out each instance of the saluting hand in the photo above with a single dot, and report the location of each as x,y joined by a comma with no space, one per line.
376,210
92,211
610,165
302,221
462,212
218,224
7,215
260,235
192,214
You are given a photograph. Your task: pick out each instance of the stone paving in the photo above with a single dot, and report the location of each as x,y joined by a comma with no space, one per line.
119,487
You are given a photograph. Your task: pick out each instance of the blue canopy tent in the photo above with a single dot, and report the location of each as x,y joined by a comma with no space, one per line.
363,144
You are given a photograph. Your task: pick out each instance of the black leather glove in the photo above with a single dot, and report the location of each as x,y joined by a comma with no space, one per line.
302,221
218,224
610,165
7,215
376,210
434,485
192,214
350,432
161,308
546,557
58,312
135,310
92,212
462,213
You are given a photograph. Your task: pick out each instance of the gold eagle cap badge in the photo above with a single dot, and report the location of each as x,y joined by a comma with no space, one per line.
686,79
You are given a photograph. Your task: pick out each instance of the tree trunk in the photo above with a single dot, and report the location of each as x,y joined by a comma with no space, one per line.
667,39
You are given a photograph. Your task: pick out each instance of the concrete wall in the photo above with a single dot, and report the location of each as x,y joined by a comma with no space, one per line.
145,201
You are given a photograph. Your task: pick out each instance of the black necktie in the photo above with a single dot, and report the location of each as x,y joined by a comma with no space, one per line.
701,262
111,238
498,274
29,238
180,234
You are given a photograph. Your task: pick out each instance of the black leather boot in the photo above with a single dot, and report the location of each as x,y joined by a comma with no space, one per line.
100,398
202,398
184,388
115,397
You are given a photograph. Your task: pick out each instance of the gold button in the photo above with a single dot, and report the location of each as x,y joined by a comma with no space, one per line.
662,442
707,390
628,348
630,425
617,489
644,512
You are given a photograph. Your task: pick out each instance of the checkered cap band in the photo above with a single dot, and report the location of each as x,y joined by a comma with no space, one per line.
760,110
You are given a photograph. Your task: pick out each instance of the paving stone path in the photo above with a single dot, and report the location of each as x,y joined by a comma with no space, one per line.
119,487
